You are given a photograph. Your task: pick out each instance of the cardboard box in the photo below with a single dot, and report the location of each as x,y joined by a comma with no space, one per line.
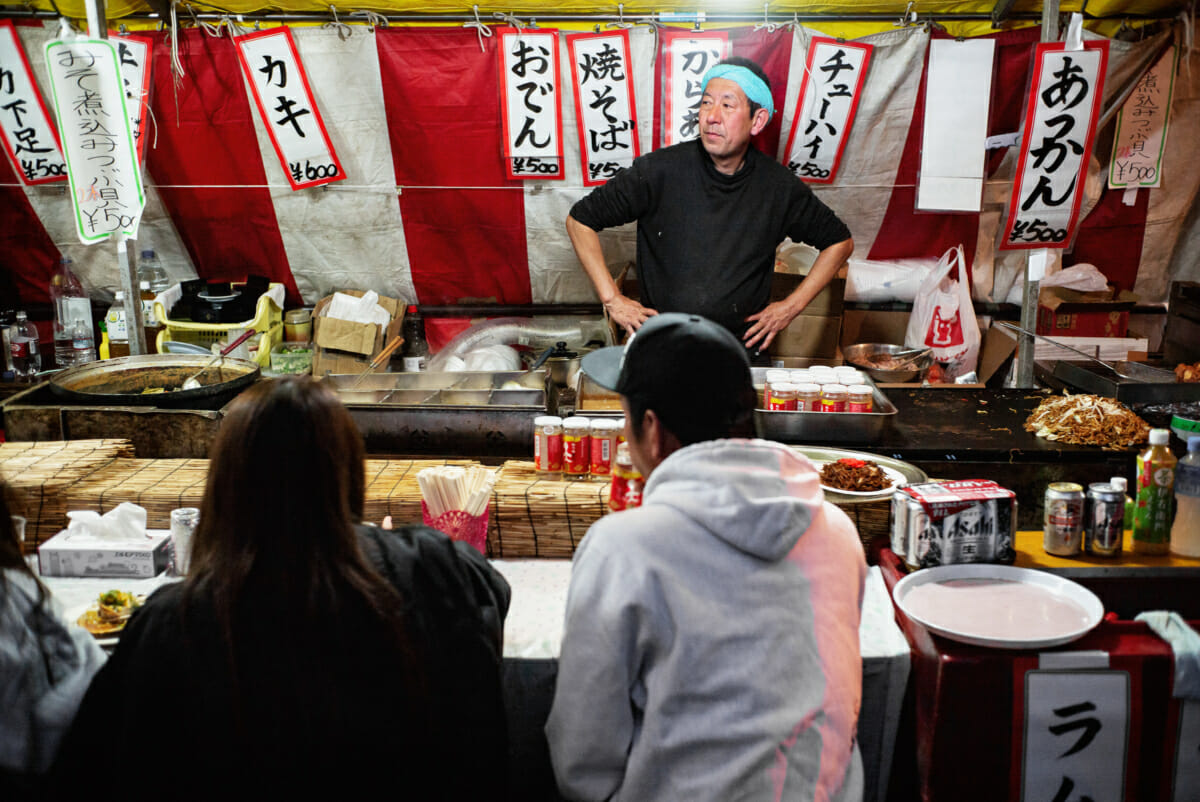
1084,314
342,346
808,336
78,554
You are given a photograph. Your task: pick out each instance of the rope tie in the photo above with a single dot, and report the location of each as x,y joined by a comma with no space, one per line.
481,30
766,24
343,30
374,20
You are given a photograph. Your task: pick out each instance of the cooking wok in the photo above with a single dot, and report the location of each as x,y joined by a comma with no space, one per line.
125,380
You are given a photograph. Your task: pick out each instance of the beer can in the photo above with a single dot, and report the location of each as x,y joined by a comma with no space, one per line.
924,537
900,524
1104,519
1062,530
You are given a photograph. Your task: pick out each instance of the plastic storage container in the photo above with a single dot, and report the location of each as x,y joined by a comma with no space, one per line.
268,320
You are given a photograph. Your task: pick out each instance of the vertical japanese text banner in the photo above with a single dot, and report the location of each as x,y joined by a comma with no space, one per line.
25,127
285,103
829,93
532,114
1056,142
687,55
1141,134
89,101
605,110
134,54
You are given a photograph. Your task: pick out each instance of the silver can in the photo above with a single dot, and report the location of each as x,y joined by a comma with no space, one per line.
183,526
924,537
1062,530
1104,520
900,525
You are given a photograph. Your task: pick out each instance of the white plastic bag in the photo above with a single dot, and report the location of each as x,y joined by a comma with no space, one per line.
943,318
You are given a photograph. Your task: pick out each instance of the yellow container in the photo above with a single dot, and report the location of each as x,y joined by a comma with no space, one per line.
268,319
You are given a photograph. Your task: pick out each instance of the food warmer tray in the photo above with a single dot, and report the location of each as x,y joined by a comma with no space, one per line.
1093,378
515,389
824,427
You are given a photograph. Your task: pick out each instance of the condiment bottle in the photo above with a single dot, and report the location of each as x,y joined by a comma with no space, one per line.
626,489
576,447
152,325
833,397
808,397
1155,485
772,378
415,349
118,332
859,398
783,397
603,437
548,445
1185,533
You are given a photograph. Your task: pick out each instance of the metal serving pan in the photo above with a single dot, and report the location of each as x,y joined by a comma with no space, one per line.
824,427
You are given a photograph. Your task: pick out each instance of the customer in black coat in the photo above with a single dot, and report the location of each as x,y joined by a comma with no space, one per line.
304,655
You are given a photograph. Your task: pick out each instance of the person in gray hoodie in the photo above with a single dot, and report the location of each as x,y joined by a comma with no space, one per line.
710,649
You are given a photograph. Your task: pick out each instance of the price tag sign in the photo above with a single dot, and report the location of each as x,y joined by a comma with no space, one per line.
829,95
1141,134
1076,735
687,55
285,103
102,165
134,54
604,106
532,114
25,128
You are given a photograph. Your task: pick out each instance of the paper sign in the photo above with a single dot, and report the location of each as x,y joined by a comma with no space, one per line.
1076,735
958,87
829,95
605,110
134,54
687,55
89,103
25,126
1060,126
285,103
1187,753
532,115
1142,127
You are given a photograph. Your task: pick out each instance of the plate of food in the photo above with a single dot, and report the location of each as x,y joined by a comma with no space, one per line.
107,615
853,476
999,606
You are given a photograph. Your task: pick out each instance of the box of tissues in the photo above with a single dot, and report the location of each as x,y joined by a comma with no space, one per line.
115,544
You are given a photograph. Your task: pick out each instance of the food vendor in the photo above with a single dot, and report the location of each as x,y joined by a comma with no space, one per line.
711,213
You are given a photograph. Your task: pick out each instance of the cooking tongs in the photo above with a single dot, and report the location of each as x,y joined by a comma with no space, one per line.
1133,371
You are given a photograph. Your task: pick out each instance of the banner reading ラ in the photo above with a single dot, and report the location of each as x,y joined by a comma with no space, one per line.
25,128
1141,134
829,94
89,101
1056,142
687,55
285,103
605,110
532,116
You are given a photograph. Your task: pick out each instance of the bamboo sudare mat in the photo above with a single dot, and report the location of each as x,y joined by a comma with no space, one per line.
392,488
873,519
158,485
532,516
42,474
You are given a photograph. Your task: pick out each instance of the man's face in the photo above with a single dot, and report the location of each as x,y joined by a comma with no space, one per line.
638,446
726,124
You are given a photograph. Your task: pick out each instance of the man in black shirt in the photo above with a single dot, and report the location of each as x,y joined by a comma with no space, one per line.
710,214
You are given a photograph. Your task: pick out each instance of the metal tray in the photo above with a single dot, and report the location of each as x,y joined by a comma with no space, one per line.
824,427
1096,379
524,389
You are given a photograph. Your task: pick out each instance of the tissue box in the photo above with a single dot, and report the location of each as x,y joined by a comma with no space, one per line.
85,555
342,346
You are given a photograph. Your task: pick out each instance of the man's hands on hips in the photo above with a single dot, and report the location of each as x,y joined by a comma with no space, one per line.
769,322
628,313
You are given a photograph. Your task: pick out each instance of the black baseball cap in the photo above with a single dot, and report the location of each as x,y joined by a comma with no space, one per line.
686,368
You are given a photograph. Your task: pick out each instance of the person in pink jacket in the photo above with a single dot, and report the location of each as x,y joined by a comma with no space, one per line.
711,647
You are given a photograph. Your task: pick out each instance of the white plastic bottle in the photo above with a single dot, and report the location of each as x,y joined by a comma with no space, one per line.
70,304
150,269
1185,532
83,343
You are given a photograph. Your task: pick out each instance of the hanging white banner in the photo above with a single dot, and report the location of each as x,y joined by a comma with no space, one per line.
134,54
1142,122
1056,142
829,95
1076,735
687,55
285,103
605,110
25,127
89,103
532,114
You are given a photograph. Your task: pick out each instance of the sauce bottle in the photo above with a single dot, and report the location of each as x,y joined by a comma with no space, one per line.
1155,495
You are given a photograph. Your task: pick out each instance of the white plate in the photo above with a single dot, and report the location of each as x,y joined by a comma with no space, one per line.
999,605
893,474
72,617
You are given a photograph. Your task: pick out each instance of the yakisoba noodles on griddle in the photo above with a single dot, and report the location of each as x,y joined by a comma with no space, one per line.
1088,420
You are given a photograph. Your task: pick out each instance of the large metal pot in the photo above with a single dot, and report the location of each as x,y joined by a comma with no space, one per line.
135,381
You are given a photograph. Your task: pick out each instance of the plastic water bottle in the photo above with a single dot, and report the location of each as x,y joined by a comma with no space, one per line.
23,344
1185,533
70,304
83,343
150,269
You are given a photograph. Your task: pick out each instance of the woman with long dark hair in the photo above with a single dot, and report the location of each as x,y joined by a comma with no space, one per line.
45,667
304,654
